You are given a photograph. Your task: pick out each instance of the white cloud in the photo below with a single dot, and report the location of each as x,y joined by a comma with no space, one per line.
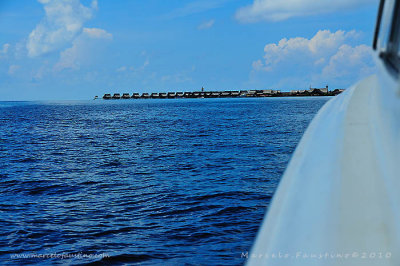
323,44
95,5
206,25
121,69
63,22
347,59
273,10
84,48
97,33
132,69
12,69
258,66
4,49
326,57
41,72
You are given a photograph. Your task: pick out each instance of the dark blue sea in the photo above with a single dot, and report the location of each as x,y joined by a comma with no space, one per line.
149,182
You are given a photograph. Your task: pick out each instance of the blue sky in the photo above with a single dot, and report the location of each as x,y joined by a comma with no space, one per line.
71,49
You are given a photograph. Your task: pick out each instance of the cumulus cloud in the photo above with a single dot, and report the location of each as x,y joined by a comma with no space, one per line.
63,21
4,49
132,69
97,33
272,10
95,5
84,48
323,44
347,60
121,69
206,25
12,69
326,57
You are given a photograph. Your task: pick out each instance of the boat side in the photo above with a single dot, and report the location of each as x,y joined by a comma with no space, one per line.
334,196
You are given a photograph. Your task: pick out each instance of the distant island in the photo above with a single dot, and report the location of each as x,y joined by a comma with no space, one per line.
224,94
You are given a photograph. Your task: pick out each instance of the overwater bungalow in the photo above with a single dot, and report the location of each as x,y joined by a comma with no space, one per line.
155,95
135,95
235,93
107,96
215,94
259,93
251,93
145,96
126,96
225,94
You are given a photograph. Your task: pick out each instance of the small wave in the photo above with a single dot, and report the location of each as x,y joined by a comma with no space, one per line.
112,164
185,211
49,189
57,153
26,160
88,182
192,237
115,231
229,210
228,195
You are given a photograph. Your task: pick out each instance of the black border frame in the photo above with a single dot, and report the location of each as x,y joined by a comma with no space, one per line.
391,54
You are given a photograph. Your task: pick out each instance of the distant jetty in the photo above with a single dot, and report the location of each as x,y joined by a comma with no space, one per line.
224,94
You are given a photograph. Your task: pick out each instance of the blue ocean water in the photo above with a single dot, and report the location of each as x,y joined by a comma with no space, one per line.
172,182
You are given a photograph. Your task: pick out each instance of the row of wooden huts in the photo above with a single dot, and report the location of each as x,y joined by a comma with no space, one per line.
222,94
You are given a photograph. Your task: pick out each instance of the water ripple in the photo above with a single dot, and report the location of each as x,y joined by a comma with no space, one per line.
144,182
